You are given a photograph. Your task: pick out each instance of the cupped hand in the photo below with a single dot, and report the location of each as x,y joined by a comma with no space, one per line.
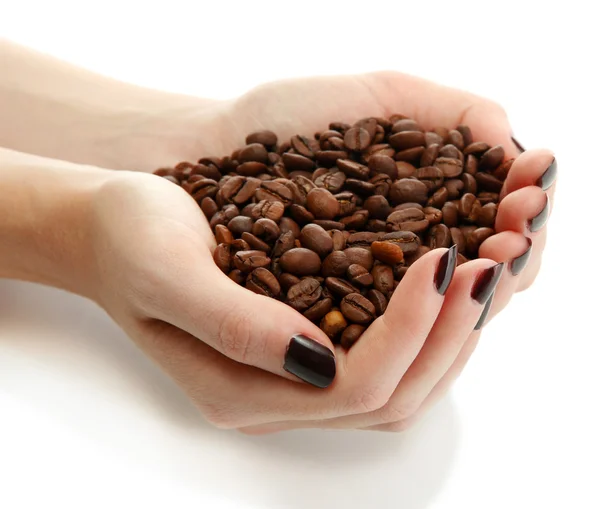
227,347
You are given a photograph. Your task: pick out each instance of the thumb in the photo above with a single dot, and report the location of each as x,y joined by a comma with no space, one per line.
249,328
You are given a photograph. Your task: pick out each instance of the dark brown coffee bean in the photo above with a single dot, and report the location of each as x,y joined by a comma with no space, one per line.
203,188
268,209
470,184
237,276
432,138
359,255
266,138
458,238
438,198
451,152
455,138
501,172
409,242
477,238
301,214
383,279
223,235
303,295
471,164
377,206
304,146
411,220
316,239
239,190
383,164
369,124
352,169
357,309
400,270
342,127
410,155
263,282
407,139
247,261
239,245
362,239
357,139
378,300
207,171
297,162
430,155
224,215
433,215
340,287
439,236
455,188
332,180
347,201
431,176
325,136
387,252
253,152
329,158
240,224
406,124
487,182
476,148
287,224
466,204
284,243
304,186
266,229
382,184
274,190
466,134
382,149
460,259
492,158
360,187
408,190
333,324
409,260
251,169
450,167
287,280
335,264
351,335
322,204
339,240
222,257
319,309
254,242
301,262
209,207
328,224
405,169
359,275
486,197
487,215
356,221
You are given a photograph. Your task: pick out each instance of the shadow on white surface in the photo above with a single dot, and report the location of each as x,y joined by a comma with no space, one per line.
64,358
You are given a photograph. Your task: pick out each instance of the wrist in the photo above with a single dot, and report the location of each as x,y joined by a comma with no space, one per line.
44,221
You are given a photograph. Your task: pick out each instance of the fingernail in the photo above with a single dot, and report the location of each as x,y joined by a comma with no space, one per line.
310,361
517,265
537,223
484,313
549,176
486,282
445,270
517,144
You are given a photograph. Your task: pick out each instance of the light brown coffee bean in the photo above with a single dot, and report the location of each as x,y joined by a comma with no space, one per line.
360,256
301,262
333,323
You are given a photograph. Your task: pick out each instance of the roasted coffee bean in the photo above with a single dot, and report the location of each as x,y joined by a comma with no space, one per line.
357,139
362,239
382,185
465,130
382,149
340,287
247,261
487,215
360,187
450,167
432,138
237,276
400,270
316,239
458,238
319,309
476,148
378,300
423,250
266,229
438,198
209,207
203,188
387,252
301,214
223,235
351,335
501,172
266,138
253,152
239,190
347,201
329,158
339,240
492,158
359,275
251,169
240,224
405,124
377,206
303,295
357,309
359,255
332,180
287,280
439,236
222,257
411,219
470,165
328,224
405,169
304,146
408,241
455,188
224,215
410,155
383,164
296,162
451,152
477,238
408,190
322,204
284,243
240,245
431,176
467,207
268,209
487,182
470,184
456,138
353,169
356,221
274,190
287,224
433,215
383,279
333,323
407,205
407,139
301,262
335,264
263,282
254,242
430,155
486,197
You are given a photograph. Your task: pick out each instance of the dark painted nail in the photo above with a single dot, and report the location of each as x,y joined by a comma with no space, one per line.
484,313
517,265
310,361
537,223
549,176
517,144
445,270
486,282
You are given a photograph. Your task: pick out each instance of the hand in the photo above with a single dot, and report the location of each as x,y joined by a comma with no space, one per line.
160,284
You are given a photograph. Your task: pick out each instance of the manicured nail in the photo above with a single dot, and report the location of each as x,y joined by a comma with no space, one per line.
486,282
517,265
310,361
517,144
537,223
445,270
549,176
484,313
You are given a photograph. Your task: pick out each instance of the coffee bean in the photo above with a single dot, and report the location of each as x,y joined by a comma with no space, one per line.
287,224
455,137
209,207
222,257
224,215
328,224
433,215
359,255
487,215
202,189
268,209
408,190
301,262
266,229
477,238
301,214
223,235
316,239
333,323
339,240
431,176
253,152
240,224
440,236
467,207
357,139
476,148
377,206
347,201
254,242
332,180
432,138
471,164
351,335
239,245
382,149
450,167
284,243
486,197
322,203
274,191
465,130
303,295
353,169
438,198
340,287
411,155
360,187
411,219
378,300
319,309
382,184
383,164
297,162
387,252
287,280
362,239
266,138
470,184
356,221
451,152
491,158
303,146
247,261
263,282
458,238
335,264
405,169
357,309
408,241
237,276
501,172
407,139
329,158
383,279
430,155
487,182
359,275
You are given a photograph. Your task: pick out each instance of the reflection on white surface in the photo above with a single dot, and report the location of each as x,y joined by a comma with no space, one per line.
72,377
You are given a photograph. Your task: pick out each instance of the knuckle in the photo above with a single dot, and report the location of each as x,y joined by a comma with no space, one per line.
399,411
369,399
219,416
234,337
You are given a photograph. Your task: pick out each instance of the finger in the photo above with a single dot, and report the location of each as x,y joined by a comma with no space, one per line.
438,392
532,168
525,211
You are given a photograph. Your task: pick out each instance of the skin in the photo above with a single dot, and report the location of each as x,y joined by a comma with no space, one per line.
138,245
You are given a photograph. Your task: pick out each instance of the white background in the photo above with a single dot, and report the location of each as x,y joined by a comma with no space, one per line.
86,421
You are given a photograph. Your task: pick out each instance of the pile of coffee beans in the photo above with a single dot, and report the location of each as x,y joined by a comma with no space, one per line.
329,224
